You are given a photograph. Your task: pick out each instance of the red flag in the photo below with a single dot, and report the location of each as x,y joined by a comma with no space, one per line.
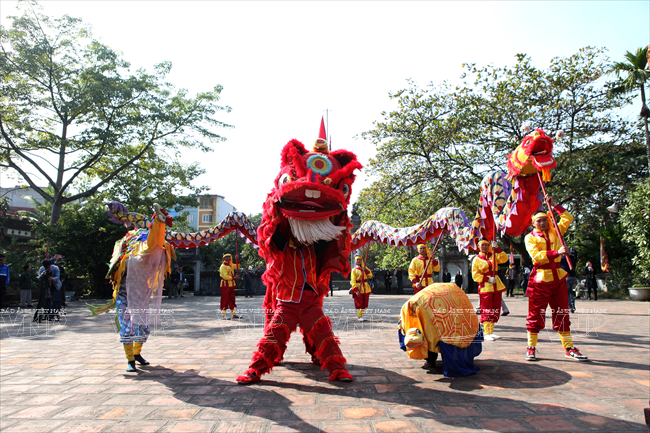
604,261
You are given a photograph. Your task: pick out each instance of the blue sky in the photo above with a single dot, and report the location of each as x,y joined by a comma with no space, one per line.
283,63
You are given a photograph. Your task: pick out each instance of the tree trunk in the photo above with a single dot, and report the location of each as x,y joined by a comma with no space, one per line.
644,114
647,141
56,211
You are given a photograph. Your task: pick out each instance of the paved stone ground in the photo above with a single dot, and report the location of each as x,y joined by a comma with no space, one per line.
70,377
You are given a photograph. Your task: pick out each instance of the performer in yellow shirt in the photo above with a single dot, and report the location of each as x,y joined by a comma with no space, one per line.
490,287
547,283
360,287
227,273
417,275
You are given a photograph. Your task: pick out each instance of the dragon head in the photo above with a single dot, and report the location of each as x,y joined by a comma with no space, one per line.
535,153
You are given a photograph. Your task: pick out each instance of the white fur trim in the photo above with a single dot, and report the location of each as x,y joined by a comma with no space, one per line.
310,231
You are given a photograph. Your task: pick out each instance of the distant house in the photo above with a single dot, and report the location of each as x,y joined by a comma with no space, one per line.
211,209
18,197
16,227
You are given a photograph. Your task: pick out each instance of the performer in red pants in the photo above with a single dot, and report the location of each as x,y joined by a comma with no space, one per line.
299,302
227,273
547,283
490,287
360,288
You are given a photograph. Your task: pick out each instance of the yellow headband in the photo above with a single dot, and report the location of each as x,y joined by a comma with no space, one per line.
537,215
227,255
358,257
484,241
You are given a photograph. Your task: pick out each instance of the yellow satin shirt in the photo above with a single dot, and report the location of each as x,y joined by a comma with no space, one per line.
543,247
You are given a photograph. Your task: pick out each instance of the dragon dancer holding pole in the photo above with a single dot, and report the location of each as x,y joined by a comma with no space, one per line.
422,267
547,283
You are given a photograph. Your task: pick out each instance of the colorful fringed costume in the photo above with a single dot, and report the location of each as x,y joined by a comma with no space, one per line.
303,237
137,270
484,271
441,319
360,288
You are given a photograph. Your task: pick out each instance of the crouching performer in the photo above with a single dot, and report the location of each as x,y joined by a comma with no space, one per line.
303,237
137,270
440,319
547,283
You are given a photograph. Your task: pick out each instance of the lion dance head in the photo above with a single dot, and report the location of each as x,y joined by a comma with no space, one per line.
308,204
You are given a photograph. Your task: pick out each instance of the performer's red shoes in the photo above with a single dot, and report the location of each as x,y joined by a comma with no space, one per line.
530,353
341,376
574,353
249,376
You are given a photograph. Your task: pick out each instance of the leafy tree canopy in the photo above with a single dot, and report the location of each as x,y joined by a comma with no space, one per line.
85,238
440,141
635,218
73,113
633,75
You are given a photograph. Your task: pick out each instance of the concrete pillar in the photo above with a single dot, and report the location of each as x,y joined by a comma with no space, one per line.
197,276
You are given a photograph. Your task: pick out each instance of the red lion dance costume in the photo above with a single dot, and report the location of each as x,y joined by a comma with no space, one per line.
303,237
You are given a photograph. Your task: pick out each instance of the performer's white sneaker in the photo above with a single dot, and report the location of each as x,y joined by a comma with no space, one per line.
495,336
488,337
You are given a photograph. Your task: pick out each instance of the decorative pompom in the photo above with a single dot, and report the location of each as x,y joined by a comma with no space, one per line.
525,127
559,135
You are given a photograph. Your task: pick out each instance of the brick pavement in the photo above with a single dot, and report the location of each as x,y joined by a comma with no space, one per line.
71,378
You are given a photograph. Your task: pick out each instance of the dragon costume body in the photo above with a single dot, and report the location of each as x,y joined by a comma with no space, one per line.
303,237
506,205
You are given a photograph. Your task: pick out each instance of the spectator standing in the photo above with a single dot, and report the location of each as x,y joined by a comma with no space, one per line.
50,285
511,280
173,286
446,276
525,277
590,277
26,287
458,279
181,283
54,278
388,281
248,284
400,284
571,279
65,285
4,279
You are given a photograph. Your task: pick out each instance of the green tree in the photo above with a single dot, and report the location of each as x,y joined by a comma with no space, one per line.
85,238
436,146
635,218
638,75
72,113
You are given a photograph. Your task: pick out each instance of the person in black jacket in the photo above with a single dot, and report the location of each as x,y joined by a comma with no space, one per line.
571,279
446,276
458,279
590,277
